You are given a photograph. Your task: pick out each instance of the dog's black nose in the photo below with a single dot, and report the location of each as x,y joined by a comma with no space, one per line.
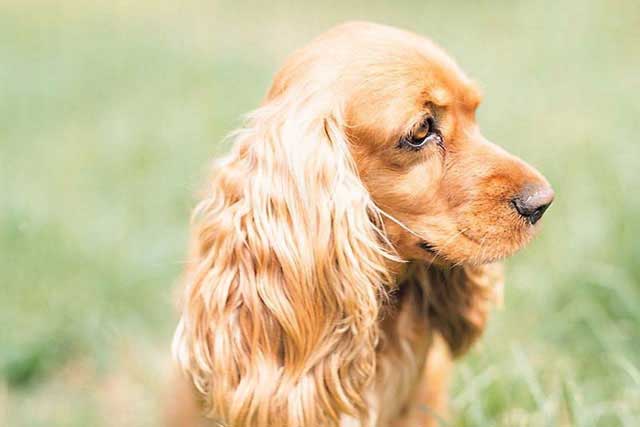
533,201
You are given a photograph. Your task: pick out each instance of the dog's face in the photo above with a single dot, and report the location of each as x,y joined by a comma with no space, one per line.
454,196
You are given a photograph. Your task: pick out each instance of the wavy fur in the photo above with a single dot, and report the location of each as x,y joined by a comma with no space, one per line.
307,305
280,314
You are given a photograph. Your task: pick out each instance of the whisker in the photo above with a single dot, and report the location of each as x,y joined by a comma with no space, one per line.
400,223
482,247
437,250
446,243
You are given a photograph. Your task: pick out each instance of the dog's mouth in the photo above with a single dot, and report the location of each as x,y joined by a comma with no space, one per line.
428,247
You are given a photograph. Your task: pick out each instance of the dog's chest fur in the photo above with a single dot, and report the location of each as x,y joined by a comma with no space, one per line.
404,346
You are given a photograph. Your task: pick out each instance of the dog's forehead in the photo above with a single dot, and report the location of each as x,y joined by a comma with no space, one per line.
376,65
407,64
409,83
439,78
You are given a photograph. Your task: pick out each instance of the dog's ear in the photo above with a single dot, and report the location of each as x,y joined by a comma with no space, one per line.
286,279
459,300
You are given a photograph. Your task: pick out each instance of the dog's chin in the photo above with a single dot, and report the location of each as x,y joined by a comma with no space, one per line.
444,260
468,252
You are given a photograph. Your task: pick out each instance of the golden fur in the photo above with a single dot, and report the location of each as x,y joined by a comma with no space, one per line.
334,273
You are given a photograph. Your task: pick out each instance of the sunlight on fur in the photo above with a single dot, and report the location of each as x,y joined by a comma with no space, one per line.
338,263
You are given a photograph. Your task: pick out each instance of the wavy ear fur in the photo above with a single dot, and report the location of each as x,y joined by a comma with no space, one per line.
286,278
459,300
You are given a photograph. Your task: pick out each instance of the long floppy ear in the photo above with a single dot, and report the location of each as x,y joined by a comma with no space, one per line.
286,279
459,300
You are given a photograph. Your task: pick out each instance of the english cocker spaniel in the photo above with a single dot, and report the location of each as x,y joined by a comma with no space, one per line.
346,250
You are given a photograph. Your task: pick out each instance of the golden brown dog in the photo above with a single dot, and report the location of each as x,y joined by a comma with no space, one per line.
345,251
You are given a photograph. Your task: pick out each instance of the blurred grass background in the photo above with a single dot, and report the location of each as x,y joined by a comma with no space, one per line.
111,110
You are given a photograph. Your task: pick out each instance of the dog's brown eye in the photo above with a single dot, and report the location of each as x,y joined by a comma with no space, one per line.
422,135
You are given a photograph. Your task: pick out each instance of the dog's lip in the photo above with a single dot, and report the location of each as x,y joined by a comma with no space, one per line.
427,246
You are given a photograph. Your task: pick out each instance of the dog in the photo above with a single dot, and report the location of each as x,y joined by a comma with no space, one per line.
347,249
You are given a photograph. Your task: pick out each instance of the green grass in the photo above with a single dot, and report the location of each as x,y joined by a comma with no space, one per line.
109,114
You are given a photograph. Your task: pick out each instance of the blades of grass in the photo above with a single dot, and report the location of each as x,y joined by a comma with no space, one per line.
524,366
474,386
570,403
629,368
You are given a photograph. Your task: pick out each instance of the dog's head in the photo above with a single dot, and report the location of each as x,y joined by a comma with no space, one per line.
448,195
364,154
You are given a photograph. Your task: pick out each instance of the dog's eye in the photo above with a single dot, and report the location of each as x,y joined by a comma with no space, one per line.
422,135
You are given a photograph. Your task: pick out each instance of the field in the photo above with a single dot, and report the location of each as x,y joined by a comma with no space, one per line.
111,110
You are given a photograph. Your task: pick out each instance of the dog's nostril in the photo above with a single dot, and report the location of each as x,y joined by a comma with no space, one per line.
533,201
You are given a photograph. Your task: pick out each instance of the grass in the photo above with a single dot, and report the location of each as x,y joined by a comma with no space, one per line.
109,112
